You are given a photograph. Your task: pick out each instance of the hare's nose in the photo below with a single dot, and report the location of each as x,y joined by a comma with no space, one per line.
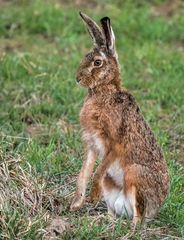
78,79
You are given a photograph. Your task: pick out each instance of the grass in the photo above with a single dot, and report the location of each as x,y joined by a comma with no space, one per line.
41,45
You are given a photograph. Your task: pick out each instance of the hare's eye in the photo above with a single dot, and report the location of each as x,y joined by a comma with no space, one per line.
97,62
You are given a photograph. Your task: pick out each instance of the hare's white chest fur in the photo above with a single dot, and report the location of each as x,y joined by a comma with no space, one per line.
95,142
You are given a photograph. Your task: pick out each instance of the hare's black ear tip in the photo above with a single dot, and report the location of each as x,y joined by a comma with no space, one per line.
81,14
105,19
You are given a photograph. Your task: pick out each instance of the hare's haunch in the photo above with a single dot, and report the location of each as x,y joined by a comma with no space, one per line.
133,175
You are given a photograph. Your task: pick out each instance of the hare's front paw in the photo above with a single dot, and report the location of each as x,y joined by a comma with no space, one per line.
77,202
95,195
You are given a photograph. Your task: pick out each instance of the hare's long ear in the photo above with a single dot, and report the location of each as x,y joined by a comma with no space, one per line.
109,35
94,30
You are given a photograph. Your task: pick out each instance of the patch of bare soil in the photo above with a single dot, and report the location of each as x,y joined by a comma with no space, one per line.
80,3
56,228
168,9
5,2
10,45
179,46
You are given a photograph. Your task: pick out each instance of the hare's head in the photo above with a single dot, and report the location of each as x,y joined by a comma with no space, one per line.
99,66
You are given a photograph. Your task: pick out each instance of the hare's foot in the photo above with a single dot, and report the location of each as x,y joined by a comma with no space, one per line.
95,194
136,221
77,202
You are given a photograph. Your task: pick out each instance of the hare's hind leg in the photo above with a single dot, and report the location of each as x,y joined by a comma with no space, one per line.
133,186
137,207
140,189
110,194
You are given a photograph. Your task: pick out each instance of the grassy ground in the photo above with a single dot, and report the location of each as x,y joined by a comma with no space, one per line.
41,45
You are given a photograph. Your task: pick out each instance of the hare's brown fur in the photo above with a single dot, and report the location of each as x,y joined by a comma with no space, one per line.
133,175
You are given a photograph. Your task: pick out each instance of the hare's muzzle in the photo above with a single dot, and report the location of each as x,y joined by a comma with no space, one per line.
78,77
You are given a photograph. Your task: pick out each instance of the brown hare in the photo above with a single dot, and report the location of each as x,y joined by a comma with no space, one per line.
132,176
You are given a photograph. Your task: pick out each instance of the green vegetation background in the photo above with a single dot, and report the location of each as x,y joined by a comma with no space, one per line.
41,45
